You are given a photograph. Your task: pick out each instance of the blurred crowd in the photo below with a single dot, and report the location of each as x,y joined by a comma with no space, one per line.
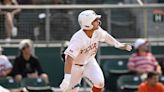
14,20
141,63
26,64
144,64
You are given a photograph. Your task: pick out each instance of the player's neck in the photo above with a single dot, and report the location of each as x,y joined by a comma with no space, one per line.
26,56
142,53
151,85
89,33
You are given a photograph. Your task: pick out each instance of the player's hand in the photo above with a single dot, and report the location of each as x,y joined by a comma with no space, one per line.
3,73
65,83
126,47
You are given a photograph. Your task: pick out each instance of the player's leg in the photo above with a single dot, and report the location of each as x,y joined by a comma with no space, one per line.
76,75
8,24
94,73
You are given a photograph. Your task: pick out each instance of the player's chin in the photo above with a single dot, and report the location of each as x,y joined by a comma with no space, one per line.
95,28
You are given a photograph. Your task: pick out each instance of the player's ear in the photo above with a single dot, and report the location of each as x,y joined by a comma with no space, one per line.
100,22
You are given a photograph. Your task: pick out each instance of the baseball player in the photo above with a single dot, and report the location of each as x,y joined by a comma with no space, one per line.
5,65
80,55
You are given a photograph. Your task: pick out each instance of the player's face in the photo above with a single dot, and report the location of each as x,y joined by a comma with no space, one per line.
144,47
27,51
96,23
154,80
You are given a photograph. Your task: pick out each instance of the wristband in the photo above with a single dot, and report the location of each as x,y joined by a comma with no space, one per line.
67,76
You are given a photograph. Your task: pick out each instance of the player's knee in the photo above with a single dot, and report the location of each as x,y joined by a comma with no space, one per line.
95,89
75,90
45,77
99,84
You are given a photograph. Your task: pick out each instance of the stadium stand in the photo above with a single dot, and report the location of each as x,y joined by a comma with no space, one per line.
61,26
161,79
122,21
125,23
27,22
9,83
33,82
35,85
113,69
128,83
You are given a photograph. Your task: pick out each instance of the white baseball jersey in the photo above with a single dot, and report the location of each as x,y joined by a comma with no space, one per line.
4,63
83,49
2,89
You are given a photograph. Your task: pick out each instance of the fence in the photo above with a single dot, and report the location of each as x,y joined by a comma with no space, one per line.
53,23
59,22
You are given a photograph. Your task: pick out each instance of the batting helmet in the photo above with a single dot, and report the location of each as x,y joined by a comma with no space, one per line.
86,18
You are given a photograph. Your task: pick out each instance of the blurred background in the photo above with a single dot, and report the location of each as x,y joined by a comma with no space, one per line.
51,23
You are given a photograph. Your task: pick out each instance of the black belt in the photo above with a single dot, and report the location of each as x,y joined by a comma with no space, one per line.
79,64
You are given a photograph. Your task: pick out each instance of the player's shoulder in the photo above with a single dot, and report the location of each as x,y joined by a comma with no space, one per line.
78,35
100,30
143,85
34,58
159,84
79,32
3,57
134,55
149,54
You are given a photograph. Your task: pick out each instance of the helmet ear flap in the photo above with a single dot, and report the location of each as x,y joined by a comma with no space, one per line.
88,27
91,26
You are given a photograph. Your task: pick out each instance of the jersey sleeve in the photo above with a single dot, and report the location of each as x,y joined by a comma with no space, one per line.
73,48
38,66
7,63
141,88
105,37
16,67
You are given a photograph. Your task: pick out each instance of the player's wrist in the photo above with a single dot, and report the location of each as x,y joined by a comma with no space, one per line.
67,77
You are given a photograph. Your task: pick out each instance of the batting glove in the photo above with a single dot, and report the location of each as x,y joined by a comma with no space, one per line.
65,83
128,47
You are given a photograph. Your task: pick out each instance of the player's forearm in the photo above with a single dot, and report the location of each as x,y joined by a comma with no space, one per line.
7,71
68,65
131,68
16,11
158,69
112,41
125,46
